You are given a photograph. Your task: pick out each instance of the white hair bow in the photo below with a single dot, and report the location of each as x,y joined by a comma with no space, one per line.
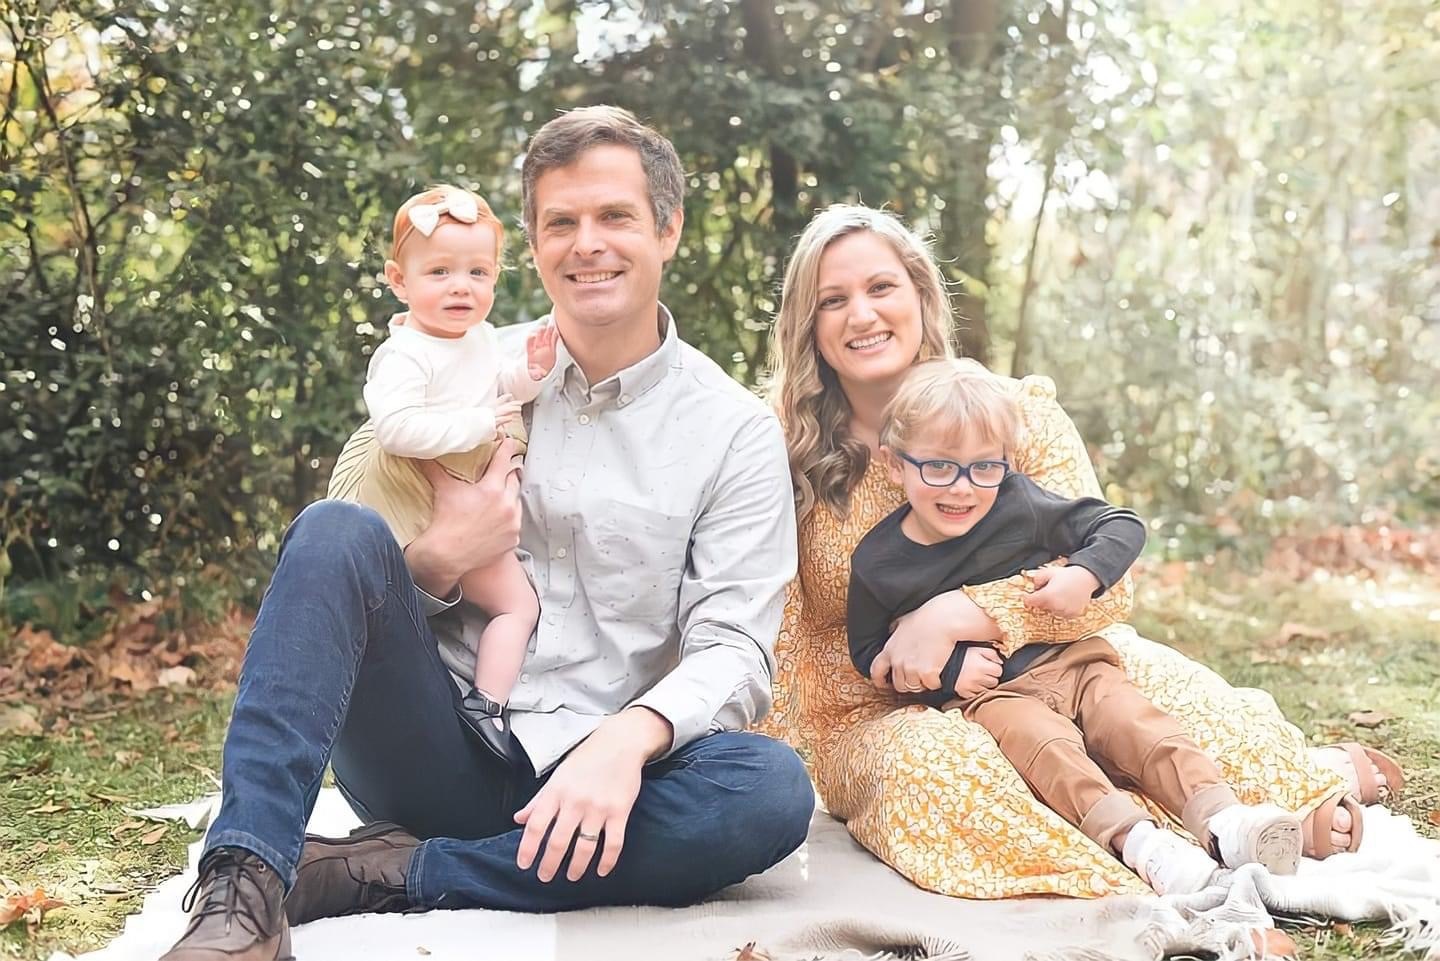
426,217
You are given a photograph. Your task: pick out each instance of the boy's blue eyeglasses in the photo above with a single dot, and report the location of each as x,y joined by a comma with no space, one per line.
943,473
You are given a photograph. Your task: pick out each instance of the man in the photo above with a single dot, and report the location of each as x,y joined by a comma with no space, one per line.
656,507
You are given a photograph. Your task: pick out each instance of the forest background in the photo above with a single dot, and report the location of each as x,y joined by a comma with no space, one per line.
1216,226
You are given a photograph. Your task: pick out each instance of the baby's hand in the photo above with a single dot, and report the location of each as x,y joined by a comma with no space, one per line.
980,672
507,412
1063,591
540,351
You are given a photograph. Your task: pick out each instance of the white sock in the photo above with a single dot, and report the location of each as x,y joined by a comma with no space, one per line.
1136,842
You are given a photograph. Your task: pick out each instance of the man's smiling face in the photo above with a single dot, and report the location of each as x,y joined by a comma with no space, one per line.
596,245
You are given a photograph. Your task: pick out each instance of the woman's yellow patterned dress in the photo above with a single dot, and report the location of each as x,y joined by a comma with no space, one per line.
927,791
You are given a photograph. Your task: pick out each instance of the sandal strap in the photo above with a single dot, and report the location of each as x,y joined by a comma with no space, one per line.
1364,771
479,703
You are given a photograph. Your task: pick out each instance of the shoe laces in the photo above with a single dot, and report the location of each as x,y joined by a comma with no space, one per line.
225,873
378,894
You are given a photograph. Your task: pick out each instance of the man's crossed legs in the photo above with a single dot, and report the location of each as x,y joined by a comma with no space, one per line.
343,668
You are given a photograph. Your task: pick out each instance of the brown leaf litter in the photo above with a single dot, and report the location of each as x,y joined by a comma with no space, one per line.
137,652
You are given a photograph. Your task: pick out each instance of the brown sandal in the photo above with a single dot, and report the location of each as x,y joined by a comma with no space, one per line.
1362,759
1316,828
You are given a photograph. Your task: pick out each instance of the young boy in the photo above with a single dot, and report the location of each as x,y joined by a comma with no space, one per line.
1064,714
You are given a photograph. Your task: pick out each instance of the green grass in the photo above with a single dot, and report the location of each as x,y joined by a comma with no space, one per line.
64,827
1378,650
62,794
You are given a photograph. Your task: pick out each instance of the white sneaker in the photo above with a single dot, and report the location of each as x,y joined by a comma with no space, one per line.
1258,834
1166,861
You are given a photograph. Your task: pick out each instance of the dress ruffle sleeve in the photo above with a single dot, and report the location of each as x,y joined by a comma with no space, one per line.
1053,455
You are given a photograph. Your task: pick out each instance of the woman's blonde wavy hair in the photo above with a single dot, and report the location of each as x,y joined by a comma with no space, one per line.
826,462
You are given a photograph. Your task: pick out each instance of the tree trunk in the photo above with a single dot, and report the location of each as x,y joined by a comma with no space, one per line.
974,48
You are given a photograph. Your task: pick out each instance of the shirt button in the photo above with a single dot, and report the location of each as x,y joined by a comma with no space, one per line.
624,399
552,619
562,552
524,678
584,418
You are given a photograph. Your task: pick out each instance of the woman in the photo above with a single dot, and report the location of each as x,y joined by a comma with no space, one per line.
925,790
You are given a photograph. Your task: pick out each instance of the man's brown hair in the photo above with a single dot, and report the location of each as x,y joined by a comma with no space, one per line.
561,141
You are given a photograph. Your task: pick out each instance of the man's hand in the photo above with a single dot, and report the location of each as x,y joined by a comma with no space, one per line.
980,672
471,525
540,351
923,639
590,795
1063,591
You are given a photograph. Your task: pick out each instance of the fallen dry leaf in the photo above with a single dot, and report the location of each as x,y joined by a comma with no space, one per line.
1343,929
50,807
1273,943
154,836
1368,718
31,906
1434,818
135,673
19,720
124,826
1291,631
752,953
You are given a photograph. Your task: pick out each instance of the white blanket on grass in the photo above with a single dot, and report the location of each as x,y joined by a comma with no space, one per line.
833,900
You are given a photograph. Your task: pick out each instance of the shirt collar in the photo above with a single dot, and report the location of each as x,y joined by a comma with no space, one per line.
636,379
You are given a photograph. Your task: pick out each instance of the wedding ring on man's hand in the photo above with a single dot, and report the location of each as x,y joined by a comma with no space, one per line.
588,837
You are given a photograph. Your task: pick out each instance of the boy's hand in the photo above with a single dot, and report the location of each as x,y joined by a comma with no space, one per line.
540,351
507,412
1063,591
979,672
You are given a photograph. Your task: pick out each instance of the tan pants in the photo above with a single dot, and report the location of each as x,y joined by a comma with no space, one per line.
394,486
1075,728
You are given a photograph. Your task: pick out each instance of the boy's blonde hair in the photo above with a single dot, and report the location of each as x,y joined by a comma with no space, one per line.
952,396
403,229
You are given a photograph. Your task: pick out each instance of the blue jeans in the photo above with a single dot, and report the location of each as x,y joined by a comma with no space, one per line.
342,668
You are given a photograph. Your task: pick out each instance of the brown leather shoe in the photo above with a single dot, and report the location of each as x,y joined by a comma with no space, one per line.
236,912
361,874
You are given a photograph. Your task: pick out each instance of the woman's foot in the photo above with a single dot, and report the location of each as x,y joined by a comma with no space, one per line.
1343,762
1334,826
1371,777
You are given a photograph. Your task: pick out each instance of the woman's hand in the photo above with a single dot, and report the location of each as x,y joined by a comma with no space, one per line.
923,639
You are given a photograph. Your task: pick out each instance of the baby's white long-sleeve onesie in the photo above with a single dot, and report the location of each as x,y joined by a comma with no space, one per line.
429,396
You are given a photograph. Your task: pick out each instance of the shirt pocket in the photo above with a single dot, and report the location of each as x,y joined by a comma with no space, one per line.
639,558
